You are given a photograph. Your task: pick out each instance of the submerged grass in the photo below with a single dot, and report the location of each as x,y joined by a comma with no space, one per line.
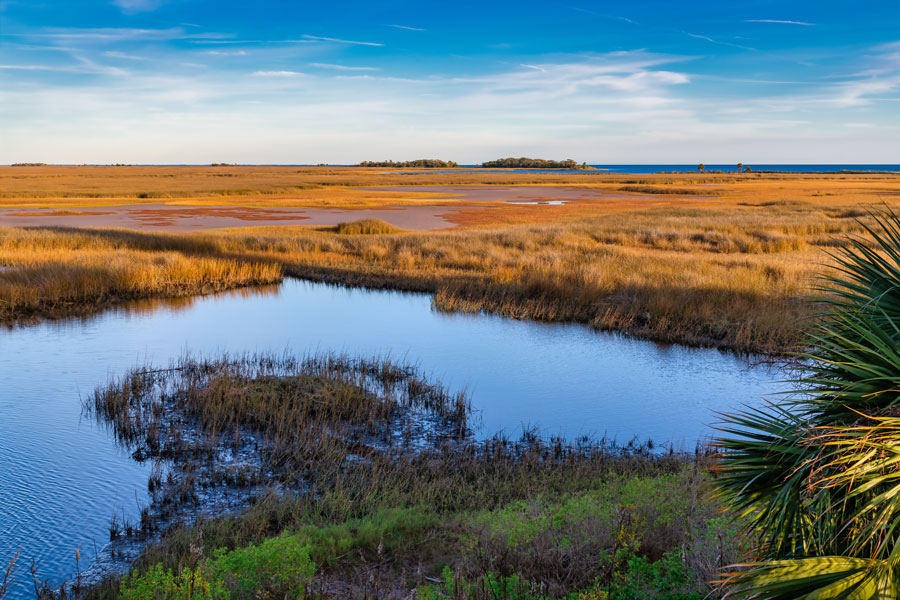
367,482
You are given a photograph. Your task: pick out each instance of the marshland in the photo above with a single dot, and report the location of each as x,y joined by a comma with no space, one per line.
730,268
402,301
368,410
479,453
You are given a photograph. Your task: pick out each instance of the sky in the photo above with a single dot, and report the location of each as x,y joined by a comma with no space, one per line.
298,82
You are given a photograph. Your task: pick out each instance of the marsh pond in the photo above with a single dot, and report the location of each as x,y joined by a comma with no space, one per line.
62,476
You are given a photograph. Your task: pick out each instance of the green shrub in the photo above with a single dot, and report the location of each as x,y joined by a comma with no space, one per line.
665,579
487,587
161,584
569,543
279,565
389,529
639,579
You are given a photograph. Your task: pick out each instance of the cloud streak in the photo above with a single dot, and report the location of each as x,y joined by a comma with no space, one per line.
341,67
406,27
124,56
339,41
718,42
277,74
780,22
135,6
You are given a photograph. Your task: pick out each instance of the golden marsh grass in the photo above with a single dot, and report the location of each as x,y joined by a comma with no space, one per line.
732,269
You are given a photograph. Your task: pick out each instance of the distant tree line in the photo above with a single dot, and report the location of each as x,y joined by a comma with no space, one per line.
422,163
223,165
533,163
28,165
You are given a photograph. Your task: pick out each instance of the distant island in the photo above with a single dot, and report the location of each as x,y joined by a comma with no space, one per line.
533,163
422,163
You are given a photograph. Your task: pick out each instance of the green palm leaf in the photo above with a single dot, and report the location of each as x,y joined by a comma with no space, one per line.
816,477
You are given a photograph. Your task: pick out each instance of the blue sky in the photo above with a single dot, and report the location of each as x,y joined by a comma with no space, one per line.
199,81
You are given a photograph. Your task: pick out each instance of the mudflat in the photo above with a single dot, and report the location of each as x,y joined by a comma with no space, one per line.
164,217
448,207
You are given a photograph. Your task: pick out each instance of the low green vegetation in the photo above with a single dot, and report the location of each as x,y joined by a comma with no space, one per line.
626,540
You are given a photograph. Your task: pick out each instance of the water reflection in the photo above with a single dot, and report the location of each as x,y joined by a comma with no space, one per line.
180,303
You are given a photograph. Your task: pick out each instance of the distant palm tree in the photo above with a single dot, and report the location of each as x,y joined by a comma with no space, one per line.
740,167
700,167
816,476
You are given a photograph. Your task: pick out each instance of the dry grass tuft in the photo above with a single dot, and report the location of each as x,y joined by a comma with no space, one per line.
366,227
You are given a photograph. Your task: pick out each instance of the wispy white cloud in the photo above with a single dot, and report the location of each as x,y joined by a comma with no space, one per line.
341,67
780,22
881,77
715,41
90,66
124,56
406,27
84,66
603,15
29,68
109,34
277,74
339,41
227,53
84,36
134,6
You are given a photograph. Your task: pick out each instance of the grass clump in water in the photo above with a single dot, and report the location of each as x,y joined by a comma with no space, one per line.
366,227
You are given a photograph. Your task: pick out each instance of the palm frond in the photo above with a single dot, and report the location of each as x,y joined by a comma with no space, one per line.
816,477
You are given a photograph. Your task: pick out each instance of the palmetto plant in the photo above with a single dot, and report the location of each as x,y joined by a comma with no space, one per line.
817,476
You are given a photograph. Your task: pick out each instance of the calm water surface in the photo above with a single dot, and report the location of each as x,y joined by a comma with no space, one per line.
62,477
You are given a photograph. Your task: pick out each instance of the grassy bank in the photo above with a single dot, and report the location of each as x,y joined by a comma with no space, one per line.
60,273
734,278
353,497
